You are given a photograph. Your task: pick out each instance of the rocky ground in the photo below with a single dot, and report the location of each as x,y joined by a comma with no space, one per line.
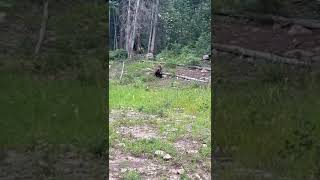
46,162
159,165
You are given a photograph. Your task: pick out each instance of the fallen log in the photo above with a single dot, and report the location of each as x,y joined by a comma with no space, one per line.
186,77
308,23
181,65
258,54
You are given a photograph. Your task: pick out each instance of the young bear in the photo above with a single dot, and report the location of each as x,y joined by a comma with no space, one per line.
158,71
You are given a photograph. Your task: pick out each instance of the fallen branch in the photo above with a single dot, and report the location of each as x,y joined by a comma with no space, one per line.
181,65
309,23
186,77
122,70
43,27
258,54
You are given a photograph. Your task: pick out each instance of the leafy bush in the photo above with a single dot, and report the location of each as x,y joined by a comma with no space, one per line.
118,54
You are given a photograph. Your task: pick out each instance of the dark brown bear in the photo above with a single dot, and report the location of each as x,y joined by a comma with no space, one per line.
158,72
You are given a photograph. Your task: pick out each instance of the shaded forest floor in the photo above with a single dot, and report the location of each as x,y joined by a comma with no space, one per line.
271,38
158,128
266,114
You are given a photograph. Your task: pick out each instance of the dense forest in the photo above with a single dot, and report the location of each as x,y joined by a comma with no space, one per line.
141,27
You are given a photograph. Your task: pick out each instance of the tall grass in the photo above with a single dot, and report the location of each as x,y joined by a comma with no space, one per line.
57,111
273,126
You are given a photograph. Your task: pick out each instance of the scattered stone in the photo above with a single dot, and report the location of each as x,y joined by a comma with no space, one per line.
192,151
298,30
123,170
167,157
206,57
149,56
204,145
177,171
159,153
197,176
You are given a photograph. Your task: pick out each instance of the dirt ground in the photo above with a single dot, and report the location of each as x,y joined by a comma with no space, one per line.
270,38
148,167
64,162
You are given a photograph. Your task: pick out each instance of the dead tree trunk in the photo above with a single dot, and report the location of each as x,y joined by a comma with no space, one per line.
43,27
152,48
133,34
128,28
151,28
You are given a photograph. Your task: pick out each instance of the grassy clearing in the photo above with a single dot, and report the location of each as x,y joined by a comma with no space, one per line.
58,112
176,112
271,125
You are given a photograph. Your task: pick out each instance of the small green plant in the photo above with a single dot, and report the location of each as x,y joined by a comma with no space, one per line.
131,175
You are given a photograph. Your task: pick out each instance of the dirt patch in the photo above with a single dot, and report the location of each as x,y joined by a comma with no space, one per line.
124,163
53,164
138,132
120,114
187,146
201,74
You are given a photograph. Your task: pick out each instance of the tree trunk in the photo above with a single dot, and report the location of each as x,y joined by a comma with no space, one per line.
133,35
115,31
43,27
152,49
151,27
128,29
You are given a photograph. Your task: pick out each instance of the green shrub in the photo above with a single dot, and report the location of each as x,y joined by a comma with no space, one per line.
118,54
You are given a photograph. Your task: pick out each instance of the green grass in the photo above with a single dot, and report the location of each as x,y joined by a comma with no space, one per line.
182,111
131,175
57,111
139,147
153,100
274,125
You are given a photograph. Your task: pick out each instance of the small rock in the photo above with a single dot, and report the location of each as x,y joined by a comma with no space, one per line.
167,157
192,151
206,57
149,56
204,145
123,170
197,176
180,171
298,30
159,153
